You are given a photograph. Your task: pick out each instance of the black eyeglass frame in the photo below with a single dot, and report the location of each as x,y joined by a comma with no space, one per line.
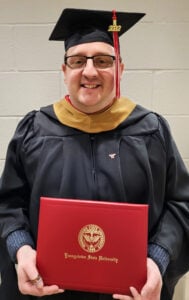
89,57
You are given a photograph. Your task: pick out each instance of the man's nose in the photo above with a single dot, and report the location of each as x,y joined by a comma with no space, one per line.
89,68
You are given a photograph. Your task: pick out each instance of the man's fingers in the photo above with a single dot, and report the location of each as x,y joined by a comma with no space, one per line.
135,293
37,281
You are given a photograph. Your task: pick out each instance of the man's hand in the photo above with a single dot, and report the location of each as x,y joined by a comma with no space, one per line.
151,290
29,280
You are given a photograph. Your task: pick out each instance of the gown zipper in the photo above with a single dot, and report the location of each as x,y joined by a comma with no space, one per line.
92,139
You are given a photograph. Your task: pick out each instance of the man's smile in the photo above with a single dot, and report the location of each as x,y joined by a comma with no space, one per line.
90,86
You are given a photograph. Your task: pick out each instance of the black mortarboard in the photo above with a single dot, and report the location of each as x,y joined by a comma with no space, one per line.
78,26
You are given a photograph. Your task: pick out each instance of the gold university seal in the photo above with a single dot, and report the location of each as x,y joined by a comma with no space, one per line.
91,238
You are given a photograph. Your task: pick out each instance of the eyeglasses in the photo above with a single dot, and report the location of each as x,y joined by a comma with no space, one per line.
80,61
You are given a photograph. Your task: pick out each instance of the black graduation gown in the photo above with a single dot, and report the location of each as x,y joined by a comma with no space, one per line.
48,158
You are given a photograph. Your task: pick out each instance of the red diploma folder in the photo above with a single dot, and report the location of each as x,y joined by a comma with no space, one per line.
92,245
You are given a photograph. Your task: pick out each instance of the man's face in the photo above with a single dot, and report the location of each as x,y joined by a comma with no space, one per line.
91,89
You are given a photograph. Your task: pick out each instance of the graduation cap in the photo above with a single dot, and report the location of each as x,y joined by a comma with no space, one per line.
79,26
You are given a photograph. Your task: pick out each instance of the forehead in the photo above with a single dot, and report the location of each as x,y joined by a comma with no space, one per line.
91,49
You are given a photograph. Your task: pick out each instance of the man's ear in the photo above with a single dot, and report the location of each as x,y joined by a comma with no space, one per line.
122,66
64,71
63,68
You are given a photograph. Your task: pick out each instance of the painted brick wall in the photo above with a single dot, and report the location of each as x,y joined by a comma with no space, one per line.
155,52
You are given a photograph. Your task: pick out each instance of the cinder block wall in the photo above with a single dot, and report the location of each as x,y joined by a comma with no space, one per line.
155,52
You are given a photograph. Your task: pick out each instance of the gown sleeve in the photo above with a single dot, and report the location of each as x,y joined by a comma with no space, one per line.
172,230
14,187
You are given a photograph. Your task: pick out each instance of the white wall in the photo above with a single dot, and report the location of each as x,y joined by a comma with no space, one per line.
155,52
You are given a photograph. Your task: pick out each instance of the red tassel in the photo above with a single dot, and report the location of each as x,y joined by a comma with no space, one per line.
115,30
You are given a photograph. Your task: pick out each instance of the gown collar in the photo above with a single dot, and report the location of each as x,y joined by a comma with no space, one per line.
94,123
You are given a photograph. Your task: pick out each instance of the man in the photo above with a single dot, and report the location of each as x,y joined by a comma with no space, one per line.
63,151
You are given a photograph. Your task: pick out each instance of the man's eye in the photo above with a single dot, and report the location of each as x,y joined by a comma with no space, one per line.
78,62
101,60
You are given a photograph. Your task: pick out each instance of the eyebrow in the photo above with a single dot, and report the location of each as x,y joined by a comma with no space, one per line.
84,54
